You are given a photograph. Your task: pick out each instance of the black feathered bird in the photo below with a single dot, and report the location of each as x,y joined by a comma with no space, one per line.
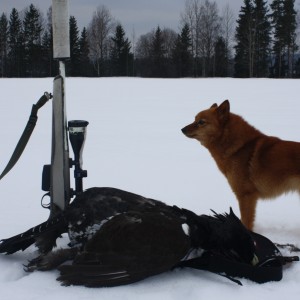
118,238
135,245
81,219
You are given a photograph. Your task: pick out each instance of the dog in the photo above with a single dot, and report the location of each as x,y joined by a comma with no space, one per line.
257,166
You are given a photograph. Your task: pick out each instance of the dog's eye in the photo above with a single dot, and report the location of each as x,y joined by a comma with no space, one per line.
201,122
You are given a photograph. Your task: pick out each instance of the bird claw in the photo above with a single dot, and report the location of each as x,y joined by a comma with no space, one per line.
289,247
26,268
39,263
51,260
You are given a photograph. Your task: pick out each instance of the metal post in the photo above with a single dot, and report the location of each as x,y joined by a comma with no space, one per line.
60,172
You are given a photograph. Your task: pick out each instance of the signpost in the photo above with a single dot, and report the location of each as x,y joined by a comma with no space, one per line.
58,177
60,172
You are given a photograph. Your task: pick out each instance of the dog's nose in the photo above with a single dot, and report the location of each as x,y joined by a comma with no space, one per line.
183,130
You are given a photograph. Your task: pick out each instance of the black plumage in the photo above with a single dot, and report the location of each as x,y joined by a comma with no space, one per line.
135,245
128,248
118,238
81,219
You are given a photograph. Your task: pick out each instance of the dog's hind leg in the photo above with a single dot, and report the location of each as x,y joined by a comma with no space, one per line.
247,205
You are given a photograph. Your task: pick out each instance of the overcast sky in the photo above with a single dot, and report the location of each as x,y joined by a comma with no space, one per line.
140,15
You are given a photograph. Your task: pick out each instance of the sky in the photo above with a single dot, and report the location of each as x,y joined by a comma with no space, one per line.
138,16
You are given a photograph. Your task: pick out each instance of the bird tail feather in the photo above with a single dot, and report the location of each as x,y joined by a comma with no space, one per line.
27,238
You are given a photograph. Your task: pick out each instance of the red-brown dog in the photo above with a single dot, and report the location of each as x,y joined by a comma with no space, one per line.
255,165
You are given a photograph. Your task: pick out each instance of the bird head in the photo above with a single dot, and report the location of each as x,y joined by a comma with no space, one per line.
235,239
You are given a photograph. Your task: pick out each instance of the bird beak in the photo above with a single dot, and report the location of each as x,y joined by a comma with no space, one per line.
255,260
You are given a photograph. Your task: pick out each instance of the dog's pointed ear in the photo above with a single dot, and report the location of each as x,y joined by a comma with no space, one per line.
224,110
215,105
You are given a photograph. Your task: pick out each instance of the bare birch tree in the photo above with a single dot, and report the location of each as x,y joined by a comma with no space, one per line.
192,16
99,31
210,25
203,18
228,27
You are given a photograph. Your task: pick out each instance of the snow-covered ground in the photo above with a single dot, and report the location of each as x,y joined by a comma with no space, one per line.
135,143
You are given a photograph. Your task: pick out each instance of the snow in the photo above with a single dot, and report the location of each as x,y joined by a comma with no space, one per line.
134,142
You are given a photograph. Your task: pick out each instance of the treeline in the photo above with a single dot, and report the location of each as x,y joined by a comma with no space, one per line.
210,43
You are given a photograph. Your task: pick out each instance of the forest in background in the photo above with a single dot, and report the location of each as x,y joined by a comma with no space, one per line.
211,42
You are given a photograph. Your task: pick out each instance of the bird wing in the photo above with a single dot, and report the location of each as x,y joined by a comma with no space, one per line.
128,248
113,271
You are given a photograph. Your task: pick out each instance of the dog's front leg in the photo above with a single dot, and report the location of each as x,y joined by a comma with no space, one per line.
247,205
